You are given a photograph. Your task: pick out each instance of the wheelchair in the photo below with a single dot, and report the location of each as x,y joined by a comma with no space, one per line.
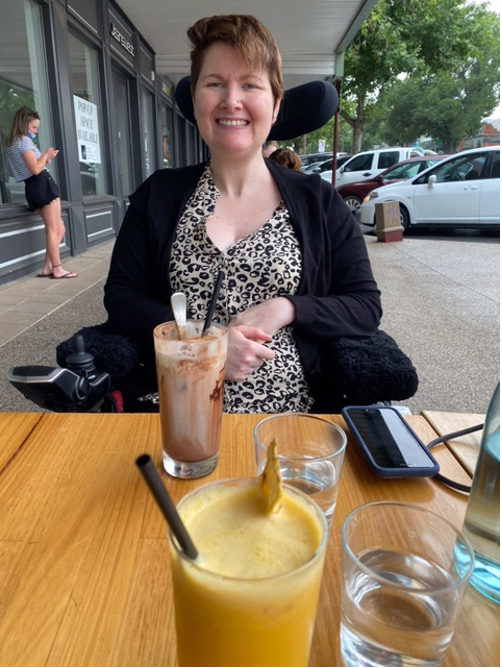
102,372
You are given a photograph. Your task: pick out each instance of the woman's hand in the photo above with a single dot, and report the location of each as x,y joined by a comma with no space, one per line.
51,153
269,316
246,351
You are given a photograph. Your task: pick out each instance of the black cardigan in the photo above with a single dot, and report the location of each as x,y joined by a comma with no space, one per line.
337,295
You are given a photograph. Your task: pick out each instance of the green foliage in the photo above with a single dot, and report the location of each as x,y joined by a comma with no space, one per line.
11,99
424,40
311,144
448,106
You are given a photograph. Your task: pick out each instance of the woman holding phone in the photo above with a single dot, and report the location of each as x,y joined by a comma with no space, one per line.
28,164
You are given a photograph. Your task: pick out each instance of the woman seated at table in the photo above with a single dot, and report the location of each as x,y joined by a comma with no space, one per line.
296,268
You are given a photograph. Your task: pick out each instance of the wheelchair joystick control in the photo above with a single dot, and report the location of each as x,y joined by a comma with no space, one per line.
78,388
79,361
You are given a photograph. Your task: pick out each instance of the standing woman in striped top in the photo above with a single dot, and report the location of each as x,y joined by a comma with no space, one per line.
28,164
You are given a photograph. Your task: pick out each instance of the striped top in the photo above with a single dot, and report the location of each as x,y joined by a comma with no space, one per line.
18,166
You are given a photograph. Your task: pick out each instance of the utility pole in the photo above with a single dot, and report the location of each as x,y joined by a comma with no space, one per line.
338,86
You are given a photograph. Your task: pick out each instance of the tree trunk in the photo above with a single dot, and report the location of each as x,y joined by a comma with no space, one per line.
357,136
358,125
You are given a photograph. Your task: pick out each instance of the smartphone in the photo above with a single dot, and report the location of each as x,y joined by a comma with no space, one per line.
390,445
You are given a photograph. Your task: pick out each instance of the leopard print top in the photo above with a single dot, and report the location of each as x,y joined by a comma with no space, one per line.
260,266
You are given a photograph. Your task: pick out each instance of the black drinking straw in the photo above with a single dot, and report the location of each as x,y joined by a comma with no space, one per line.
149,473
212,305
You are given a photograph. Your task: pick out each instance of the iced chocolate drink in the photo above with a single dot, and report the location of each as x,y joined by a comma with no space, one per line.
190,378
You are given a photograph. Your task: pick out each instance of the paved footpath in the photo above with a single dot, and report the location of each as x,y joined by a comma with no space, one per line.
441,301
440,294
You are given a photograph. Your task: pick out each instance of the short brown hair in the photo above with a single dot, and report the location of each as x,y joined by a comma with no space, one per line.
243,33
19,128
287,158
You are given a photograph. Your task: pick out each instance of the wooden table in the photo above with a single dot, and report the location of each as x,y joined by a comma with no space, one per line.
465,449
84,564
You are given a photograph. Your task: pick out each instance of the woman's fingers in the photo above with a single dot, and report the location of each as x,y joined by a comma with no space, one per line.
249,332
246,352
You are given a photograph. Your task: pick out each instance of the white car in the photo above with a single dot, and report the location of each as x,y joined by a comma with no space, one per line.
318,167
460,191
368,164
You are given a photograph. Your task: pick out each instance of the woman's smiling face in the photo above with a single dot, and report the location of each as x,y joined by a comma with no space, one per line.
234,105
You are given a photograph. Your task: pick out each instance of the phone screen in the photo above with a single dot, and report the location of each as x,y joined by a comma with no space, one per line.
388,439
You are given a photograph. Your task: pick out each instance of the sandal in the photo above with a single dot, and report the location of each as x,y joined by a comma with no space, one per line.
69,274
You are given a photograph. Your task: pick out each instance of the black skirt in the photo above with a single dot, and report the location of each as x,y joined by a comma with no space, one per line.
41,189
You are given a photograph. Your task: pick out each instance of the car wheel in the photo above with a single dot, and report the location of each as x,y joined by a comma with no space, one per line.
404,217
353,201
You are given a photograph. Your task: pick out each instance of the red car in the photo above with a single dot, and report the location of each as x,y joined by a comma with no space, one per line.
354,193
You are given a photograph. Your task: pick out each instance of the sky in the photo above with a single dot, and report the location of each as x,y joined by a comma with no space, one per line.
493,4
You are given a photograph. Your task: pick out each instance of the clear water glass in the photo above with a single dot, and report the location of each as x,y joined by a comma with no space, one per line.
404,578
310,450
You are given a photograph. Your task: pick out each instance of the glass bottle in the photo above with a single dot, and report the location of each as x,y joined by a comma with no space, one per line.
482,520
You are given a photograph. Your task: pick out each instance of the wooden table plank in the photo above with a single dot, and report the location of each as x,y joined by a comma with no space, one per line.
474,644
465,448
84,563
14,433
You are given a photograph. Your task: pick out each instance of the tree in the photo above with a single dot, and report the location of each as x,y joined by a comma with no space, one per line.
11,98
447,106
311,144
406,37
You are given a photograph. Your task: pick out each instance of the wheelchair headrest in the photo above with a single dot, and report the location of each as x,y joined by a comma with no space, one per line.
303,108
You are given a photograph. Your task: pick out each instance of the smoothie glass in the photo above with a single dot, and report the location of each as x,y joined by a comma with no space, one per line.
190,378
265,616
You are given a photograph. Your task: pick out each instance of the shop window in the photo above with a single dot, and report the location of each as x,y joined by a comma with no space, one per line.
167,137
182,130
23,82
148,132
190,130
88,117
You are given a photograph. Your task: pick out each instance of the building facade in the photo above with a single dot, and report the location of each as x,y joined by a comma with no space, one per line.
489,135
91,76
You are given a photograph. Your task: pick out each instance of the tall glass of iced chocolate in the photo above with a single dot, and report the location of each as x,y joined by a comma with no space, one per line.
190,378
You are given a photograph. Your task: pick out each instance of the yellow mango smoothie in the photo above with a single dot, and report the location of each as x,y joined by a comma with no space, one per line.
250,598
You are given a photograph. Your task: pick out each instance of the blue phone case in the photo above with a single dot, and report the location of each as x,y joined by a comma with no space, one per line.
390,445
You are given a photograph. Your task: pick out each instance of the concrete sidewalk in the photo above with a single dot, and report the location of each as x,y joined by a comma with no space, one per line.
26,301
440,294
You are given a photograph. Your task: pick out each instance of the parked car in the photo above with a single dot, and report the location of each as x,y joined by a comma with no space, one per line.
368,164
320,167
354,193
461,191
309,158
